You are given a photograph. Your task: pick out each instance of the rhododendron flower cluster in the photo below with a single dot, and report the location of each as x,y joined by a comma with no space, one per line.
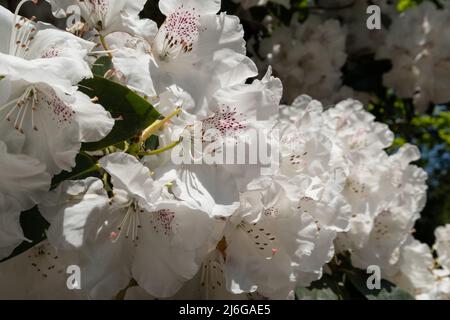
117,132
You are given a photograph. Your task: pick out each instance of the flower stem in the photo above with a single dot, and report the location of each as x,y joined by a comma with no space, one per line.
155,126
161,150
136,147
105,45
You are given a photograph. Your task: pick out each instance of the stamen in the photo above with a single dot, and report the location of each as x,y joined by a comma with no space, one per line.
153,128
8,104
33,110
17,26
131,222
16,122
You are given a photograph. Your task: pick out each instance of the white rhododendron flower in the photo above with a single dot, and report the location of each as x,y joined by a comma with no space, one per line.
139,233
46,117
145,159
395,218
353,14
193,40
420,274
43,275
23,183
308,58
106,16
442,246
418,55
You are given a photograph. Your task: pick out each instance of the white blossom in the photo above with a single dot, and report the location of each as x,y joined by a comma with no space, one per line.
420,55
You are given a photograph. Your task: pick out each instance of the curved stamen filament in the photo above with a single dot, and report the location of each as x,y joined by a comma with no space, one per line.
24,37
16,122
8,104
16,26
131,222
21,104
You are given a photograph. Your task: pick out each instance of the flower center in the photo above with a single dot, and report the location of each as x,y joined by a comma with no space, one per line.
358,140
227,121
20,107
178,34
381,228
18,111
356,186
129,225
96,10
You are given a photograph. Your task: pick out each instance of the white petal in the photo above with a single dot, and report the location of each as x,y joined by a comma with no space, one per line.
32,70
50,133
11,234
40,274
6,22
207,187
130,175
164,260
94,121
258,101
73,211
23,180
168,7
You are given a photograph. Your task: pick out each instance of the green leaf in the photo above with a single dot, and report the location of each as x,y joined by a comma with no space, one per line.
152,143
403,5
388,291
102,66
85,167
133,113
324,289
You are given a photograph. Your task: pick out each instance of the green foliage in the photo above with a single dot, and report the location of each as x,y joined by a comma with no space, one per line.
132,112
347,282
324,289
388,291
86,166
102,65
433,127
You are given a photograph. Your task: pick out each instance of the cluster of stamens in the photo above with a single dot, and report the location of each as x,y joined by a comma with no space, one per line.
129,225
20,107
22,36
97,10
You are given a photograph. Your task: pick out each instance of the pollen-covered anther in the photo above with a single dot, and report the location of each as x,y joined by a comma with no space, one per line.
20,107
